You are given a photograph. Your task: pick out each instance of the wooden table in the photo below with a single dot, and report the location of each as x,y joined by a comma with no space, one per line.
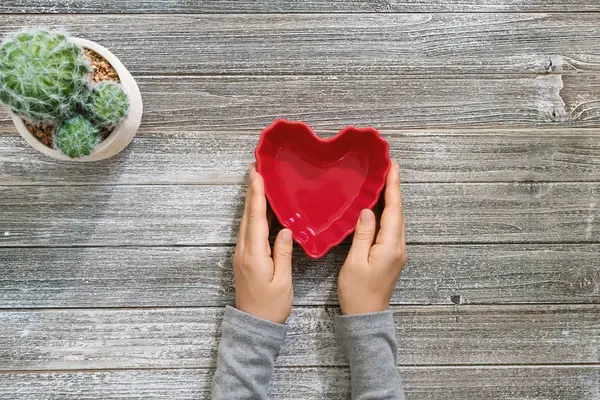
114,275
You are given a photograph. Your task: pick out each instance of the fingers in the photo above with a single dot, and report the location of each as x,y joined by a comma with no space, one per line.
282,256
256,232
363,236
392,218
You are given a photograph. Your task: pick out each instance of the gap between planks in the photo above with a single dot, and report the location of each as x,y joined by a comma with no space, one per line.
455,307
292,367
232,245
459,182
290,6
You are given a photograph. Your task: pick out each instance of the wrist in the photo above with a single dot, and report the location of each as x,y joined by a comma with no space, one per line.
247,319
364,308
264,313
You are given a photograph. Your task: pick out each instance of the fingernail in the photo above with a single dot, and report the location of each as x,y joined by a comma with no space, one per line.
286,235
397,168
365,216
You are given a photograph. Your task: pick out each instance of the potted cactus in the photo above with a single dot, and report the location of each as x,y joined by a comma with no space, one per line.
70,98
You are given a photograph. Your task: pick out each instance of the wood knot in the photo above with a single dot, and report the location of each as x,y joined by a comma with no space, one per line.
385,6
531,187
556,115
554,63
590,283
331,312
585,284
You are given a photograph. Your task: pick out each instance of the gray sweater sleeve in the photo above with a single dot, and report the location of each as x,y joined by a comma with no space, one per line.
246,357
249,346
369,343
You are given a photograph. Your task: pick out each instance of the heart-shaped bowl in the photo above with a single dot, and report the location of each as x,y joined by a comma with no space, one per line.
318,187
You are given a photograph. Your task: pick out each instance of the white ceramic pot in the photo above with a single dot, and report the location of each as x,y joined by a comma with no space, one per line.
123,133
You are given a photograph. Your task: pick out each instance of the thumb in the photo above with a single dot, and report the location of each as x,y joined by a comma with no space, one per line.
282,255
363,236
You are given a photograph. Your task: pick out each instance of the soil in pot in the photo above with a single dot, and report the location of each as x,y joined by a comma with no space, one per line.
101,71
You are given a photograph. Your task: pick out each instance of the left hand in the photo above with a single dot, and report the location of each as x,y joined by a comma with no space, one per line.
263,284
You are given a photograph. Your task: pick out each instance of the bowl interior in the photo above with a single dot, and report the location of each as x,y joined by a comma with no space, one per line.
317,187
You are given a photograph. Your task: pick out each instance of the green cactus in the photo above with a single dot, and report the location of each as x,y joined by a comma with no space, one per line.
76,137
43,76
107,105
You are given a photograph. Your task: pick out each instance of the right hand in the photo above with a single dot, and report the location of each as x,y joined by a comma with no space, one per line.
368,277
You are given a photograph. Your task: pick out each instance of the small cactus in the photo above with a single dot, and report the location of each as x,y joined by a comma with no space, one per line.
76,137
107,105
43,76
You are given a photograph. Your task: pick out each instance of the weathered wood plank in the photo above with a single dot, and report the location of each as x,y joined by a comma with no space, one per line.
404,43
340,44
183,276
582,105
424,383
203,215
188,337
194,157
292,6
226,103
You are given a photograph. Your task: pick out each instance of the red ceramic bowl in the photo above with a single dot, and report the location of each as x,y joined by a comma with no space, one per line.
318,187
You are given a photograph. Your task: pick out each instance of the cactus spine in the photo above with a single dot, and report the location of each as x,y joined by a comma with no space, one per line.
107,105
43,76
76,137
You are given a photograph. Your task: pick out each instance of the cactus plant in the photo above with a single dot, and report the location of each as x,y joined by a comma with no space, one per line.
46,79
107,105
43,76
76,137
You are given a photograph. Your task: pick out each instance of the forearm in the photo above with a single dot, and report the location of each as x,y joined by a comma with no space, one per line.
246,357
369,343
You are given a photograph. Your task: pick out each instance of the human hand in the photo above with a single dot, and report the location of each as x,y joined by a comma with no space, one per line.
368,277
263,284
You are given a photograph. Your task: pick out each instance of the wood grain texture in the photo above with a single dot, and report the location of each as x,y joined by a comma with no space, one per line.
184,276
228,103
339,44
196,157
582,105
188,337
490,107
292,6
202,215
424,383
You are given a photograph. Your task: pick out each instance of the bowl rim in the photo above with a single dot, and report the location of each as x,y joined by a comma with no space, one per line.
275,206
